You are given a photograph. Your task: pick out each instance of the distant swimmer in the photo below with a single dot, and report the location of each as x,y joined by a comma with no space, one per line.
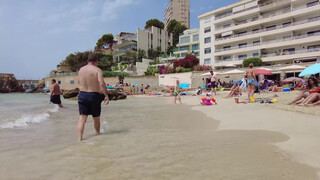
90,97
251,81
55,93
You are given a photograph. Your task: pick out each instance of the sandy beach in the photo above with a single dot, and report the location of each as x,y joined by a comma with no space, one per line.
150,138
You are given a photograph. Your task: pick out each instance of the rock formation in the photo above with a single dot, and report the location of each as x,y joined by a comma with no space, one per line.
8,84
113,94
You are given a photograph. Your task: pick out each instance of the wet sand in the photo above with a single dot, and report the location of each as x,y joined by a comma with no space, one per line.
148,138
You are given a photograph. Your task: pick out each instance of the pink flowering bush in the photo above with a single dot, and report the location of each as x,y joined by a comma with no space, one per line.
202,68
189,61
164,69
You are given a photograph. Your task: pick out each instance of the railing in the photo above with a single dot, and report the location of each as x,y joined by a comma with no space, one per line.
291,52
260,5
268,15
277,27
63,74
270,41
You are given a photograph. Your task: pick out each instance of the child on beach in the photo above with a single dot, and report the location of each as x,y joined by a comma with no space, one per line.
206,101
177,92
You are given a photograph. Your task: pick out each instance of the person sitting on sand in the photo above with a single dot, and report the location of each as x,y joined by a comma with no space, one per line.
313,99
274,88
206,101
235,90
313,87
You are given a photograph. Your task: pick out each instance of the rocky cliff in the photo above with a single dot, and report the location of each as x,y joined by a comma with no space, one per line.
113,94
8,84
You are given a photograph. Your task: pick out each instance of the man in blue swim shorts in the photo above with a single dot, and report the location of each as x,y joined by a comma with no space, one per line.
90,97
251,81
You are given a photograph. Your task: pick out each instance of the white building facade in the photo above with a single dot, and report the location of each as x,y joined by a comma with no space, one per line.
278,31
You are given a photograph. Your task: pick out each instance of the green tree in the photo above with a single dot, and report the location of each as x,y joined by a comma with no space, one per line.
77,60
154,22
256,61
131,57
176,28
106,39
141,55
105,62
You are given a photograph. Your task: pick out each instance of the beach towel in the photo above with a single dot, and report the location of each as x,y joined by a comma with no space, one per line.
244,84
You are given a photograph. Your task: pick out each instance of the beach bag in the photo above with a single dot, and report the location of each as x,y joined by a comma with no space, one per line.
244,84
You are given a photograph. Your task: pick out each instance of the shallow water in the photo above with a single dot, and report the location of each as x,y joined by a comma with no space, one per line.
143,138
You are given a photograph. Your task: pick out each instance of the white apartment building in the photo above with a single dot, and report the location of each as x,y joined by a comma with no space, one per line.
278,31
178,10
188,44
150,38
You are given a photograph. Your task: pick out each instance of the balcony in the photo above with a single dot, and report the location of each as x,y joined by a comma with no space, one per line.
254,7
276,41
281,12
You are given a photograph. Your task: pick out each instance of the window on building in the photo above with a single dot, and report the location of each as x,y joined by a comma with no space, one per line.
207,29
207,20
207,61
207,50
183,55
289,51
227,58
243,56
71,81
185,40
196,54
195,47
256,43
226,26
207,40
312,3
313,48
226,48
286,24
269,28
255,54
243,45
184,48
195,38
59,82
255,31
242,33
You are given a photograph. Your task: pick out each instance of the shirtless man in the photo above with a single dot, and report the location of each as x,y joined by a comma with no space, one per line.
55,93
89,99
214,82
251,80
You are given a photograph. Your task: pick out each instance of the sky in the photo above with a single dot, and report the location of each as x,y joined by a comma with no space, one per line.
36,35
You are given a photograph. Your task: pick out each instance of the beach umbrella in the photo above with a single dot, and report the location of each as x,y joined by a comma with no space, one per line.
293,68
313,69
230,65
235,71
262,71
208,74
45,88
184,85
110,87
292,79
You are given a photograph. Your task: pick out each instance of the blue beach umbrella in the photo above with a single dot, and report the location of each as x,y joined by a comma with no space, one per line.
313,69
184,85
110,87
45,88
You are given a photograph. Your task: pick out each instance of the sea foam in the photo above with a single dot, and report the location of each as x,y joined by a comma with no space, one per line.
28,119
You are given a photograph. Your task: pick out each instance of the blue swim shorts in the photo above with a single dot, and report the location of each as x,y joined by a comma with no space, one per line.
90,103
250,81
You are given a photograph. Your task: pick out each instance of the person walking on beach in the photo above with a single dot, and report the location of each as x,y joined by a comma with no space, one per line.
176,92
214,82
89,99
55,93
251,81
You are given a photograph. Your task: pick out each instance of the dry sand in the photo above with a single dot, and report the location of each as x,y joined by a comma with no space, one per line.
300,124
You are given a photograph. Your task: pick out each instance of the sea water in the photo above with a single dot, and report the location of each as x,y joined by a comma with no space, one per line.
20,110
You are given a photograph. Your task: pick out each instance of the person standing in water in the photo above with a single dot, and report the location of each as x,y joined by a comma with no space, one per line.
214,82
251,81
177,92
55,93
89,99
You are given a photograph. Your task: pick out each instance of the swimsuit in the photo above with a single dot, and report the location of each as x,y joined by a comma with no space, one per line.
314,91
176,93
90,103
250,81
55,99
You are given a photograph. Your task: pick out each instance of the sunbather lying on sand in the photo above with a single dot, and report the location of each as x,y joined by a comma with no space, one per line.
312,88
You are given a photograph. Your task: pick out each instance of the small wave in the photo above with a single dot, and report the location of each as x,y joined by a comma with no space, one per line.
27,119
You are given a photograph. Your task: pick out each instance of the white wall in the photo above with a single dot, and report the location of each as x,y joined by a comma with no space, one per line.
170,79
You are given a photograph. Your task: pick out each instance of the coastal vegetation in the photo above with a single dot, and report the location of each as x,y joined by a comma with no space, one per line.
256,61
154,22
176,28
106,41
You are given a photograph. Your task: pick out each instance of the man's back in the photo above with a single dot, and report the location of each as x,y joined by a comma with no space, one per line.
55,89
88,78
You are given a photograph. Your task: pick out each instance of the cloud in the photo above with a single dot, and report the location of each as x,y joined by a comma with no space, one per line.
112,8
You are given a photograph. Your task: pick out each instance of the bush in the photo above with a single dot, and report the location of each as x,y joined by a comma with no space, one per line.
202,68
155,62
164,69
114,68
114,74
182,69
189,61
254,60
152,70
